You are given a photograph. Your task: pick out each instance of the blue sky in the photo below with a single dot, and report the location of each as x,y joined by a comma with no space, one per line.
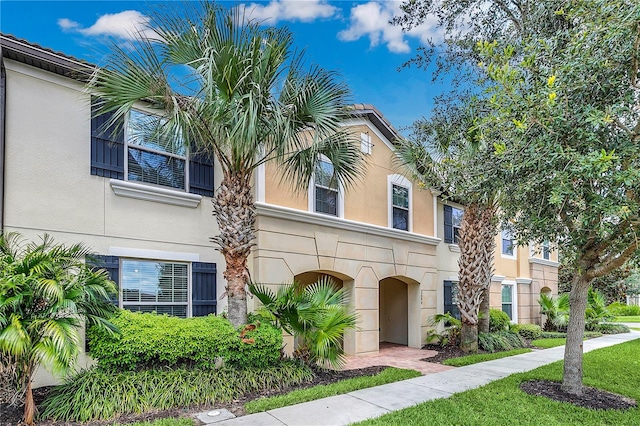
352,37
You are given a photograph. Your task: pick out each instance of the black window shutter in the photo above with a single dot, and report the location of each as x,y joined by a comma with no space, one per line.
449,305
111,264
203,289
448,224
107,146
201,175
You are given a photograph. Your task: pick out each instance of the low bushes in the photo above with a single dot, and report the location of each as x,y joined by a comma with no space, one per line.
498,320
527,331
623,310
98,394
500,341
150,341
609,328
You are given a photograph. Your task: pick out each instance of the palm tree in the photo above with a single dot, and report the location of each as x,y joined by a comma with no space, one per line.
237,93
556,311
317,315
46,292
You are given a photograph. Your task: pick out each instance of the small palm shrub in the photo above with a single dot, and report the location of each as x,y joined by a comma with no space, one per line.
596,311
450,335
148,340
317,315
527,331
97,394
46,291
556,311
500,341
498,320
623,310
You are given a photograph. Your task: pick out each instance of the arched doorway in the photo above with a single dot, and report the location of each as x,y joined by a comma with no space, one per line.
393,312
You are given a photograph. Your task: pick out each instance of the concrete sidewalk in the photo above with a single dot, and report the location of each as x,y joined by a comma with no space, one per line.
376,401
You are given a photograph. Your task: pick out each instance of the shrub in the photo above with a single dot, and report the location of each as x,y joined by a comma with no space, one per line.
556,310
623,310
498,320
500,341
608,328
528,331
451,333
148,340
596,311
98,394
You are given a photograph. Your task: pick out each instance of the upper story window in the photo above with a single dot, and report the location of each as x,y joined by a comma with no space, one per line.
508,244
399,190
546,250
365,143
325,188
151,158
122,150
452,224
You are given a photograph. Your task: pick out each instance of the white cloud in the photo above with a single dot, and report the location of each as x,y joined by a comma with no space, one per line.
288,10
372,20
124,25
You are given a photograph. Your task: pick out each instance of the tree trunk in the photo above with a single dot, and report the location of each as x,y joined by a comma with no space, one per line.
29,404
483,316
235,213
572,376
469,337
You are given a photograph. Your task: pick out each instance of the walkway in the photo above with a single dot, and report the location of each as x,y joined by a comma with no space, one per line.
374,402
398,356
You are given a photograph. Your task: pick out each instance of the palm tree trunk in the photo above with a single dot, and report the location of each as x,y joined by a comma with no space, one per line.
483,317
572,375
29,403
235,213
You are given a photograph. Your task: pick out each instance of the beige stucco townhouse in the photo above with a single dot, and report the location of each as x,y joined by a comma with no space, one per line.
146,213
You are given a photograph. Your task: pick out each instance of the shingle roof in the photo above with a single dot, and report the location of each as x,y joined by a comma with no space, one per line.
378,120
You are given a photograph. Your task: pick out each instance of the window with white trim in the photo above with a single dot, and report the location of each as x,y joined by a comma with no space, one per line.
365,143
507,300
546,250
508,244
400,207
452,224
151,156
326,188
155,286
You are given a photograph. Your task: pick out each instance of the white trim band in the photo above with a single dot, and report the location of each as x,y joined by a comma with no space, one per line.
154,254
544,262
140,191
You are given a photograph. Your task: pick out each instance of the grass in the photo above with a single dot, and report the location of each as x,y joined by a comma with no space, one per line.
183,421
549,343
615,369
635,318
474,359
388,375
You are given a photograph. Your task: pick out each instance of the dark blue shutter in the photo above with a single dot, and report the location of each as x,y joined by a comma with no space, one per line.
449,304
448,224
107,145
201,175
111,264
204,297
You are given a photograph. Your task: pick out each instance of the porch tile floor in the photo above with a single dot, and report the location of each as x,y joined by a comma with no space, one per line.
398,356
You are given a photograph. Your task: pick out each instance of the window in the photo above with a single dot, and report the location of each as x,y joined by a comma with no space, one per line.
451,298
121,151
154,286
326,189
365,143
508,245
452,224
507,300
153,157
546,250
400,202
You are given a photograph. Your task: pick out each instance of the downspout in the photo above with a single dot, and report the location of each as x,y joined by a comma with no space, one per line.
3,115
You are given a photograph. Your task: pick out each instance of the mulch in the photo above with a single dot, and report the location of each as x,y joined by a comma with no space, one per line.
595,399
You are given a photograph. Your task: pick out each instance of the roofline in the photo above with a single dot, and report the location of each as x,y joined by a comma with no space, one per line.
377,119
48,60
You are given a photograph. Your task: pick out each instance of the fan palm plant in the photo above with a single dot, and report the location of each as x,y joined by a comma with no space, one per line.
45,292
317,315
237,93
556,311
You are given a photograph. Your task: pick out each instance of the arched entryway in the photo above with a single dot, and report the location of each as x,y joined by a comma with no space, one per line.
399,311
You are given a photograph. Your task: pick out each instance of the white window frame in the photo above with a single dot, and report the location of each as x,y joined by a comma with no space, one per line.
153,151
514,298
312,195
546,250
365,143
122,304
454,227
514,247
399,180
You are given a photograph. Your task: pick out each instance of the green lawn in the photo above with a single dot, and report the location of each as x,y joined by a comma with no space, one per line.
474,359
616,369
628,319
548,343
388,375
